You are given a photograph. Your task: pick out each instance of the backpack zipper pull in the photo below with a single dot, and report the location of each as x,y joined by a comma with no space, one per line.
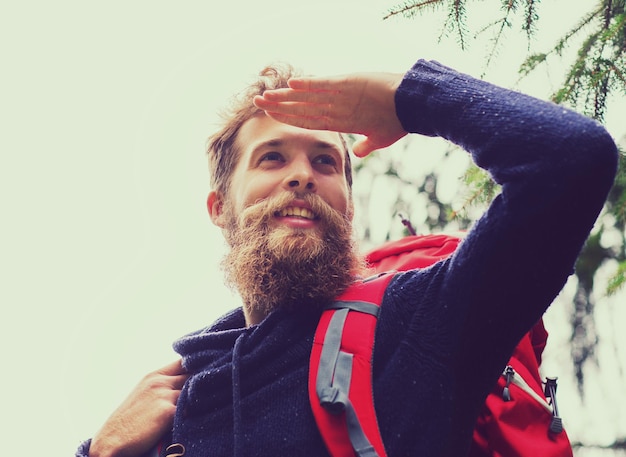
508,375
556,425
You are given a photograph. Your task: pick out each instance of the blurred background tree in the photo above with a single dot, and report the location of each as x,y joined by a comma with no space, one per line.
593,53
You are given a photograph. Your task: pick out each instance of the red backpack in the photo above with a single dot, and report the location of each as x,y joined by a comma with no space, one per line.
517,419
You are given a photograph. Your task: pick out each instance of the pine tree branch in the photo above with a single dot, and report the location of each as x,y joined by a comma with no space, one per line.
618,279
509,6
459,20
412,8
534,60
572,83
531,18
608,10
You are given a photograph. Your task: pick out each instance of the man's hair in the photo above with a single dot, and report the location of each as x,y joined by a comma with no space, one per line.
221,149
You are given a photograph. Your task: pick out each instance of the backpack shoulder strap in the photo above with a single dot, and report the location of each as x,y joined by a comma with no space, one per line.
340,371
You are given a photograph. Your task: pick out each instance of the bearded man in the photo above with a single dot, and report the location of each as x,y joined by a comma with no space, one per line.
281,180
285,207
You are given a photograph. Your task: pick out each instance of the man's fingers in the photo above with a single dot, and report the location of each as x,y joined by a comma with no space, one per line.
300,112
283,107
363,147
304,96
313,123
295,103
170,397
303,91
172,369
178,381
284,95
315,83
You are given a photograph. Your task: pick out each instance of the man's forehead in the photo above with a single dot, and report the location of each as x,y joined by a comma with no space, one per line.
262,131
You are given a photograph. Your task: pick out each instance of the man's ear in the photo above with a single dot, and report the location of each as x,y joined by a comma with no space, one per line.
215,206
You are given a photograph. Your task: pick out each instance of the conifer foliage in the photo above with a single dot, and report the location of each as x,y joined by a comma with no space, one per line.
599,68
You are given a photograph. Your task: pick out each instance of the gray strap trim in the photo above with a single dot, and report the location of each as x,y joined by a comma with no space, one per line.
328,360
360,443
343,373
334,399
334,375
341,381
360,306
337,400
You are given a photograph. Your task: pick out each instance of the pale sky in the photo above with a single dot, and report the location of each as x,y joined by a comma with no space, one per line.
107,253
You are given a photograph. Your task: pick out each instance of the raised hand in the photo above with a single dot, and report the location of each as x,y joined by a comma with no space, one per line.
144,417
361,103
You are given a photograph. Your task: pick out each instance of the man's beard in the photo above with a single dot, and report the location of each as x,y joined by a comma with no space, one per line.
274,266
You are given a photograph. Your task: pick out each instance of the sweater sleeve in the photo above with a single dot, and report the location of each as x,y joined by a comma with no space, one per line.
555,167
445,333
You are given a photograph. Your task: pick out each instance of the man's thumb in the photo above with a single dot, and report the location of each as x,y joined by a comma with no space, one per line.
363,147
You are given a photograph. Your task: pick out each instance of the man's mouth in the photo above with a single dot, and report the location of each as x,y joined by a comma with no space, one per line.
294,211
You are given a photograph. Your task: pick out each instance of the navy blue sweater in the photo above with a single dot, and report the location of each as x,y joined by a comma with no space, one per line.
444,333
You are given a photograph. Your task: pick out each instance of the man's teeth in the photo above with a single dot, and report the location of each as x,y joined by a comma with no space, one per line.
296,211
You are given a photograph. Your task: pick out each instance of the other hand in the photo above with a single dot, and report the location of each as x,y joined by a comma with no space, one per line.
144,417
362,103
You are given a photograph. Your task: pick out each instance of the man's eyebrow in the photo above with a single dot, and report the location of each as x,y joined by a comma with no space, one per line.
268,144
278,142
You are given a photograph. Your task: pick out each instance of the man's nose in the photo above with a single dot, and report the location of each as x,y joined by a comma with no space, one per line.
301,176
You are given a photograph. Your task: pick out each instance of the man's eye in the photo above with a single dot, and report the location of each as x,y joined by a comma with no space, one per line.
272,156
326,160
